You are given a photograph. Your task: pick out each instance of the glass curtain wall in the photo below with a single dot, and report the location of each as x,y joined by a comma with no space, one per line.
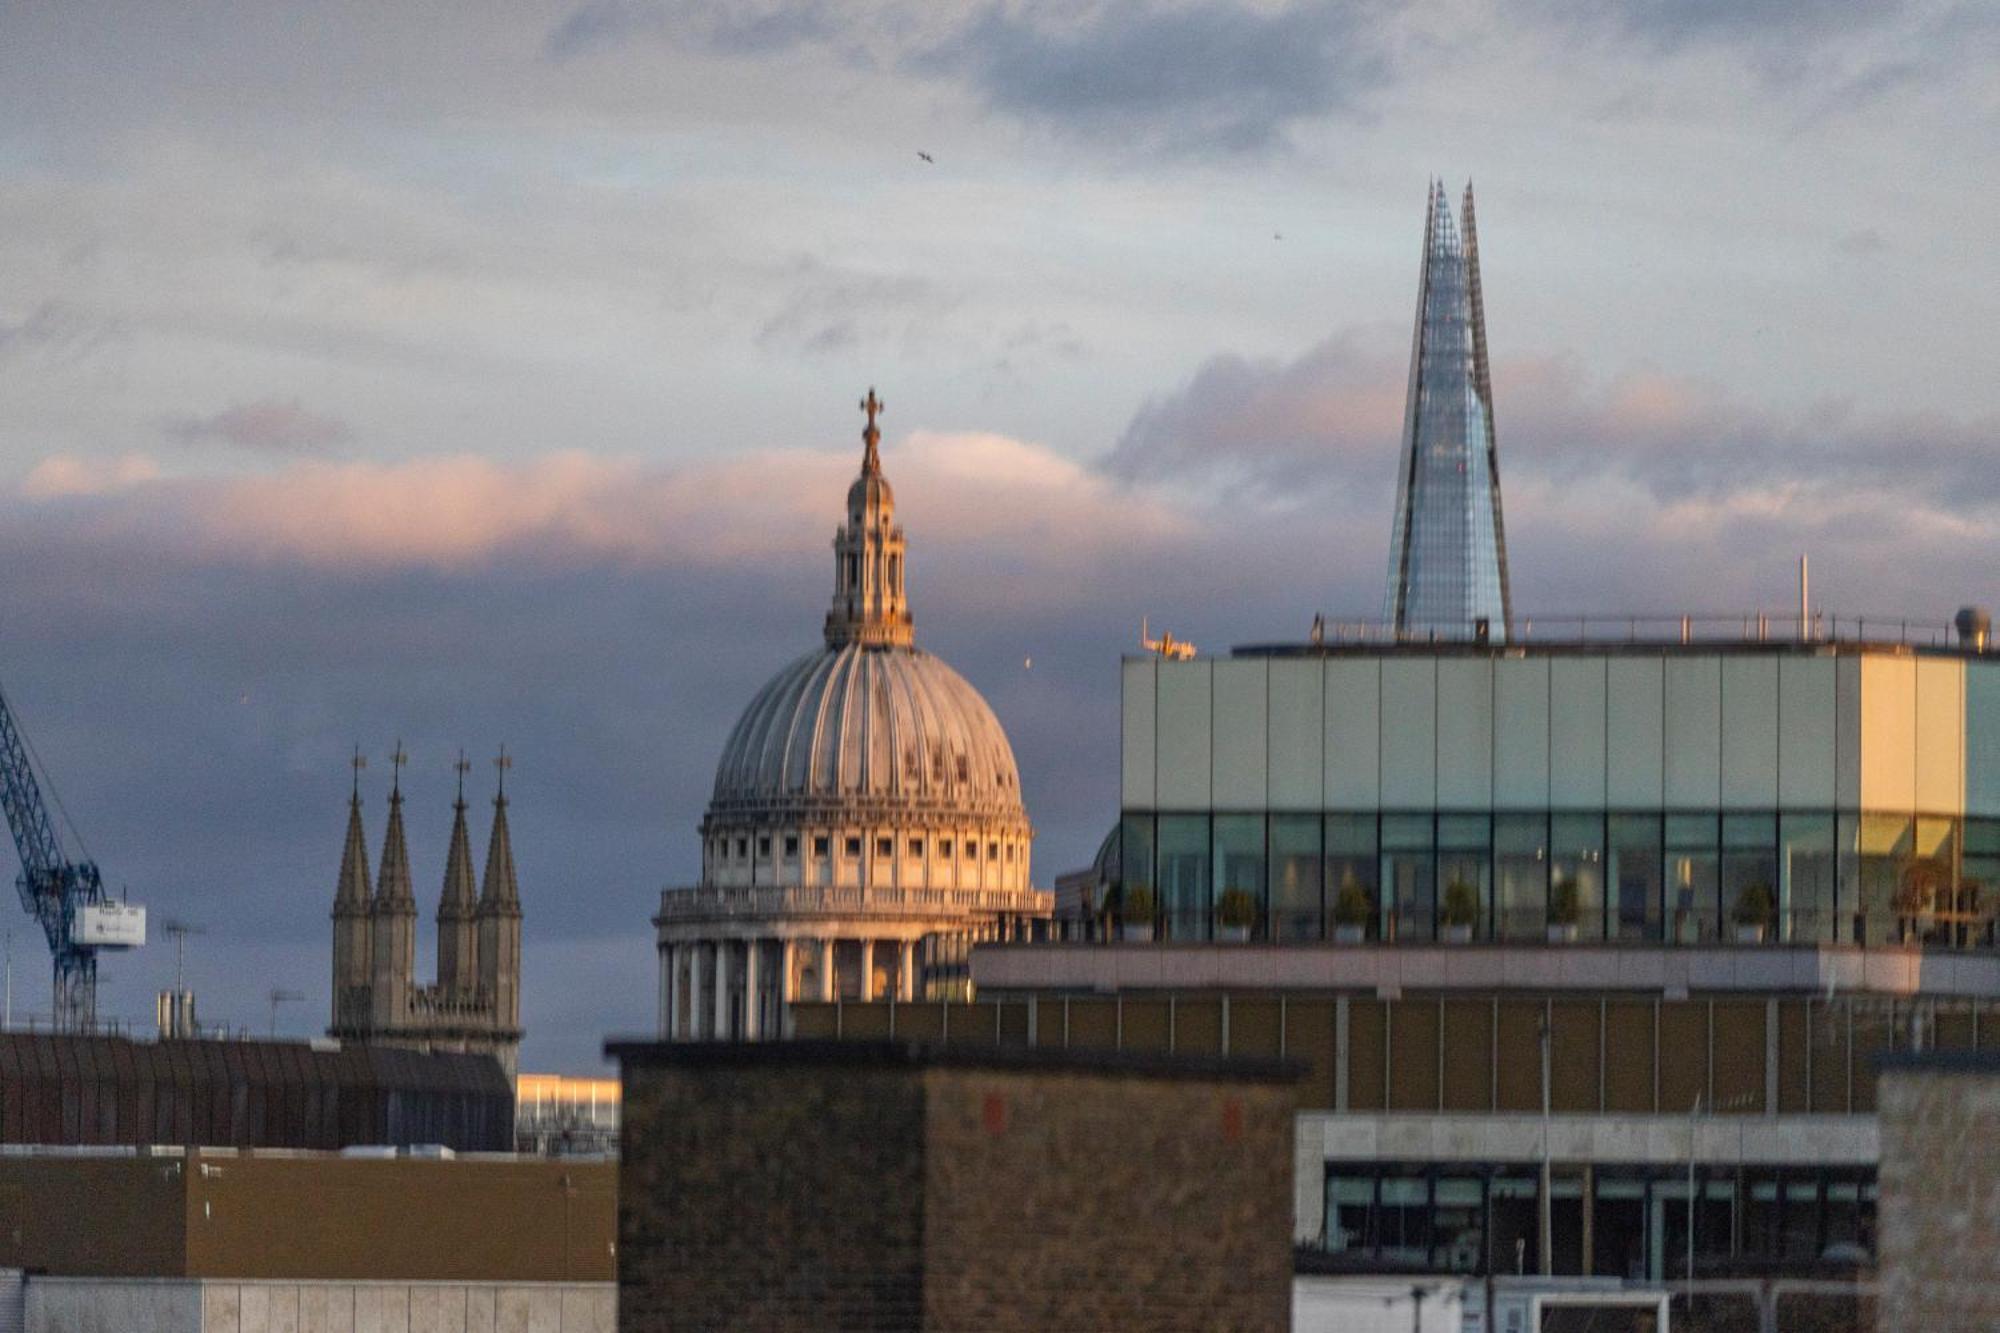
1749,874
1409,878
1353,898
1576,876
1688,878
1886,844
1633,872
1239,877
1138,895
1297,880
1183,862
1694,877
1979,874
1933,901
1806,895
1521,863
1465,869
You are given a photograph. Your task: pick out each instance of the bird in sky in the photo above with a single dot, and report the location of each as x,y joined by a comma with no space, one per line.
926,156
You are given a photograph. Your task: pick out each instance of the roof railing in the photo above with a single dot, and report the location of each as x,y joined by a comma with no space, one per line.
1665,627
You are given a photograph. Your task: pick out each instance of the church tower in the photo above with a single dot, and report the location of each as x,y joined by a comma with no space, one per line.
499,922
352,952
395,916
458,935
868,602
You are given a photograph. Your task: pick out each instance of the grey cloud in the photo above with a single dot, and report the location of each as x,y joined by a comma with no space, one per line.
1330,415
1328,422
1673,23
1866,241
57,331
735,27
1211,76
267,426
829,309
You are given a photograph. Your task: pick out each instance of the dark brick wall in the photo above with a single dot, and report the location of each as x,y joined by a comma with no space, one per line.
851,1189
1073,1201
771,1199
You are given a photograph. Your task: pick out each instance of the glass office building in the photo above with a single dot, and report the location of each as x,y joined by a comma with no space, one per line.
1448,550
1637,907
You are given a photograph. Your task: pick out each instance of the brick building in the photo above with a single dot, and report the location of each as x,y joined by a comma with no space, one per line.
1940,1205
831,1185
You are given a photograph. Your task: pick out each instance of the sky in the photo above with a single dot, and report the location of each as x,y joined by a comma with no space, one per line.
470,374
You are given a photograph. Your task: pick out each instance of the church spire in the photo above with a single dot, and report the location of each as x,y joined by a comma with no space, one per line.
500,891
392,882
353,890
499,926
869,605
457,937
353,930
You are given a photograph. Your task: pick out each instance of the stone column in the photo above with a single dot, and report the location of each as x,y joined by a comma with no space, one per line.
753,1000
826,991
698,989
867,970
721,1032
788,983
667,961
906,970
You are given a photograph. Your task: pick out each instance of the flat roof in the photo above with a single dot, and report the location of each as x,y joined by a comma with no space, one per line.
1600,647
934,1055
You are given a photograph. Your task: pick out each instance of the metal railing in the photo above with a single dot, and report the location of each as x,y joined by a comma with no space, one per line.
1668,628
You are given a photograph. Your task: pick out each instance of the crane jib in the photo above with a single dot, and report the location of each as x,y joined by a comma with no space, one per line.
54,888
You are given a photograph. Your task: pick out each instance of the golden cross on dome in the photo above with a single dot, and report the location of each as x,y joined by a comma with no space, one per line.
359,762
461,768
397,758
501,764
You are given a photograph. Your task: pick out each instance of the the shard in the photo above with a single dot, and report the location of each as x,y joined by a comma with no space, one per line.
1448,552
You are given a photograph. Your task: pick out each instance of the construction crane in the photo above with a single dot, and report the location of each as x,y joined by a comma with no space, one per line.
66,896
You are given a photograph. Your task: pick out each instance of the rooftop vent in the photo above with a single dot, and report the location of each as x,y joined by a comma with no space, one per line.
1975,627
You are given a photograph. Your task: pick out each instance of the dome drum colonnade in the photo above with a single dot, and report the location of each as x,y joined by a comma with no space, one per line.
866,825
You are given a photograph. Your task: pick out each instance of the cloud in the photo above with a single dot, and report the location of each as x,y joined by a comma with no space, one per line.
733,27
1212,76
574,508
1864,242
1330,420
61,476
266,426
827,309
1675,23
57,330
1269,423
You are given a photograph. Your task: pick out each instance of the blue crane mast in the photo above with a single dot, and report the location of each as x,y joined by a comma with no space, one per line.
54,889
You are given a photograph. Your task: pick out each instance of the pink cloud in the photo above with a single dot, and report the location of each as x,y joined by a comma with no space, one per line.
458,510
63,475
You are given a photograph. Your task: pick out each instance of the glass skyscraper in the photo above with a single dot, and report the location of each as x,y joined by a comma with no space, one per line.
1448,553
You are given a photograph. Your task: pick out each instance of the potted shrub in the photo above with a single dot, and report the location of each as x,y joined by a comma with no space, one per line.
1460,913
1565,906
1752,912
1351,910
1235,914
1135,913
